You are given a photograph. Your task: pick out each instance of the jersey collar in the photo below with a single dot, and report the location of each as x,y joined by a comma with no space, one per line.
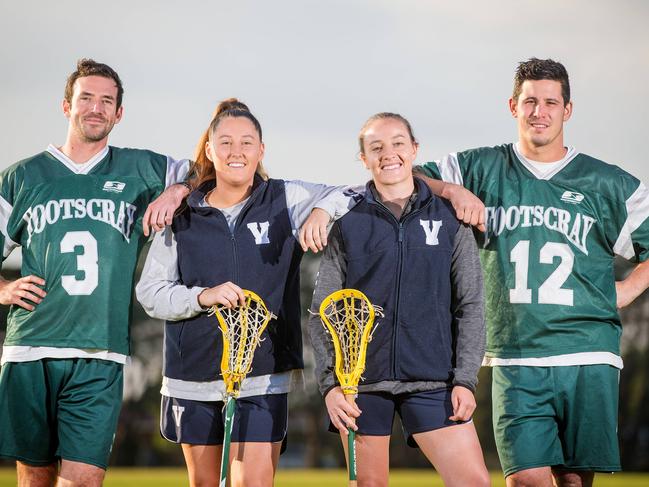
83,168
570,155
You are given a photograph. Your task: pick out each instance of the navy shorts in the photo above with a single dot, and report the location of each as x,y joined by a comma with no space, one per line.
419,412
256,419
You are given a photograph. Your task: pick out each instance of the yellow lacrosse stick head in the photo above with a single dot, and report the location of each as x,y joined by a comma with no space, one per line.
241,327
349,317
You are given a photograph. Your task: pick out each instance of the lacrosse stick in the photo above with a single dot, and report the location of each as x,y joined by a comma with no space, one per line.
348,316
241,327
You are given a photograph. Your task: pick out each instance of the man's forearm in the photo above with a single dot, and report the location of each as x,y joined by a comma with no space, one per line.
468,207
437,186
634,285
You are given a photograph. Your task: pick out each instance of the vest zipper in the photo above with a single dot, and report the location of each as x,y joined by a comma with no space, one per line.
395,335
400,237
235,280
246,207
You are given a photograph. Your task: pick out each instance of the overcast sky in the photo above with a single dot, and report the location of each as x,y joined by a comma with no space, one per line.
314,71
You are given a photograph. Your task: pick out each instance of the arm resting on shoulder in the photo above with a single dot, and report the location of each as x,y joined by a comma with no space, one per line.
468,207
312,207
160,211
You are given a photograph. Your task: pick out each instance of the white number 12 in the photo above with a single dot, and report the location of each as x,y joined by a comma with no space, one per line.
550,292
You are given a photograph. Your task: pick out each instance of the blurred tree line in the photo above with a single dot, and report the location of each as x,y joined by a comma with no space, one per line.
138,442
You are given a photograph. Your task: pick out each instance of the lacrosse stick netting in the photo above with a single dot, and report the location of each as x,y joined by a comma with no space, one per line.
348,316
241,327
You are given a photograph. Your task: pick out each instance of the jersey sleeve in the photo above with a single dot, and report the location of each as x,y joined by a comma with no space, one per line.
632,243
7,194
447,169
302,197
176,171
159,290
478,170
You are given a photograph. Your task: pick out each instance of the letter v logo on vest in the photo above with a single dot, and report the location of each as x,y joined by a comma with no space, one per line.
431,229
259,231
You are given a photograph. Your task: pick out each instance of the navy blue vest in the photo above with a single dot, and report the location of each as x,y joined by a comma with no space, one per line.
405,267
260,255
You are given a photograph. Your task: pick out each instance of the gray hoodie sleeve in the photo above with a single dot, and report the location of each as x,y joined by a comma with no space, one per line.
331,277
467,309
302,197
159,290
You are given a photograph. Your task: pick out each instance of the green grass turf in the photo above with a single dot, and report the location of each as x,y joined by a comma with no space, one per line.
163,477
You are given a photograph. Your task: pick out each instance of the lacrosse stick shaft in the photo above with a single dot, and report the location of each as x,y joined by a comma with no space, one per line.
227,434
351,446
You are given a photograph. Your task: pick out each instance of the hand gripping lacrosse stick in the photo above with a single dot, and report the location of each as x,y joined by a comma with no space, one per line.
241,327
348,316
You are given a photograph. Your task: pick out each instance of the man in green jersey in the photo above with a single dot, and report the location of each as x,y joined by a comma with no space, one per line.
555,219
76,211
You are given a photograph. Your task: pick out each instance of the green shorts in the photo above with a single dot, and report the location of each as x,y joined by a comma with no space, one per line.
59,408
563,417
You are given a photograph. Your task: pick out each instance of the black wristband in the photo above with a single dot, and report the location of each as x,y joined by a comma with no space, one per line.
466,385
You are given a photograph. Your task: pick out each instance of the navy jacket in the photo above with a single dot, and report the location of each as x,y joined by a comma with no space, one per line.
404,266
260,255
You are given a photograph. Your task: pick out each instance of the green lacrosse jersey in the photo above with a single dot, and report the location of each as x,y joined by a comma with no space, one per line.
80,229
548,251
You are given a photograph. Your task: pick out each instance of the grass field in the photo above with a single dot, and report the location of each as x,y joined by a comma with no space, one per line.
163,477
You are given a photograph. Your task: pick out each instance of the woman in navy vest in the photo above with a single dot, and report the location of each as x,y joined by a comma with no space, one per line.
238,230
405,249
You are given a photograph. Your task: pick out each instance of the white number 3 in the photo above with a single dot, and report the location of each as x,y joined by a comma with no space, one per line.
87,261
